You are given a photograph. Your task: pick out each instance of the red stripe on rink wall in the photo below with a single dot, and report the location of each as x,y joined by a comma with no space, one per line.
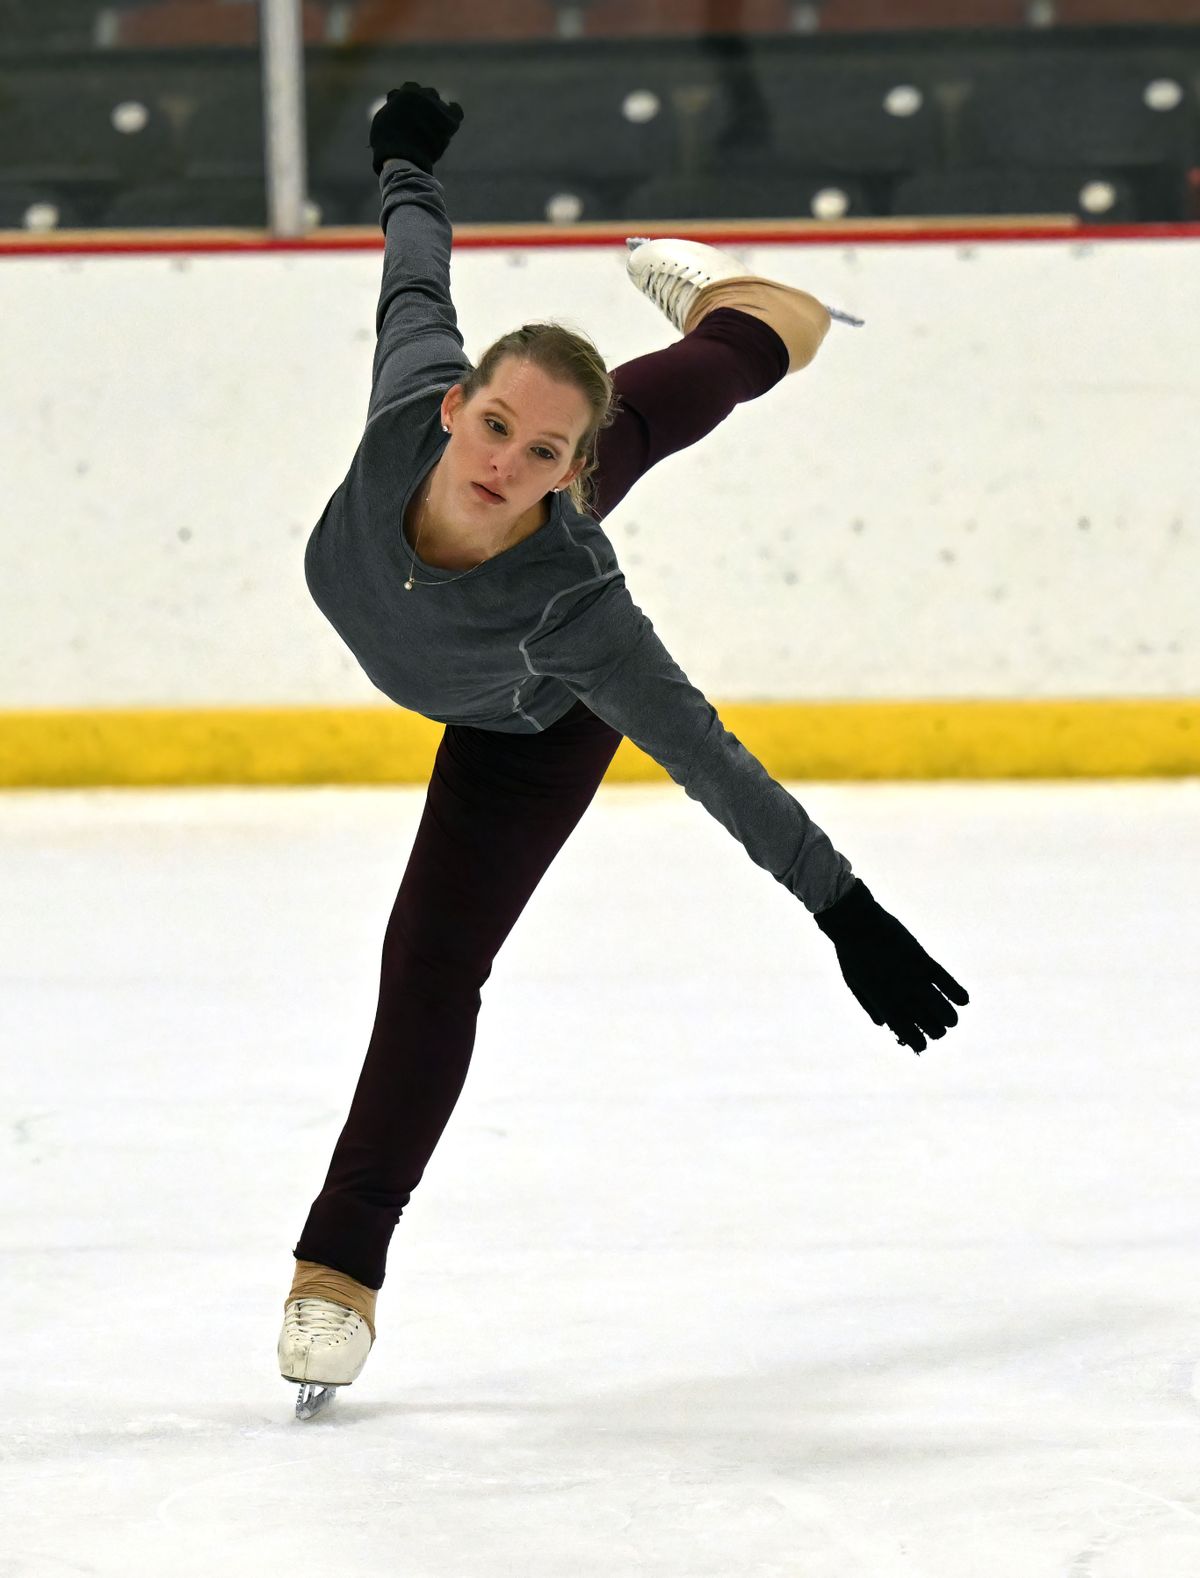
18,244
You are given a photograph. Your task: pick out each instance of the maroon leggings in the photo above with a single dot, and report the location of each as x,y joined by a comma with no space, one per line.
498,809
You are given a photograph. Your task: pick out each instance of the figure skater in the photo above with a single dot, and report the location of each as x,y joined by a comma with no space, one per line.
462,562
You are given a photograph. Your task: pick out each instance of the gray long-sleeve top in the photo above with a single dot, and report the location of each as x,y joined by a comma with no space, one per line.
514,643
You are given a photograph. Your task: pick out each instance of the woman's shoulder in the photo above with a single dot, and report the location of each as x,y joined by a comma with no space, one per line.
575,569
579,540
399,444
564,565
410,420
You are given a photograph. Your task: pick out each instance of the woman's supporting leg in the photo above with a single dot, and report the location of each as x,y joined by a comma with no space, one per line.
673,397
498,810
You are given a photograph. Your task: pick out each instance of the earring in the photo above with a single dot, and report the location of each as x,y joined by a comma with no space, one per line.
445,429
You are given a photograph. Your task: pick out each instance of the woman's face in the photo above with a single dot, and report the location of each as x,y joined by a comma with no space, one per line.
516,438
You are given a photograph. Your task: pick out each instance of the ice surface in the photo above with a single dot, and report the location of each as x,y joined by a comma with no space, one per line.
708,1276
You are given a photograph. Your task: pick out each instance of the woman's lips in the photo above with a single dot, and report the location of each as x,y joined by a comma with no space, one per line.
486,493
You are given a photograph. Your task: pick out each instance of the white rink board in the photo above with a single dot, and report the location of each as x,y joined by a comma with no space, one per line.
988,491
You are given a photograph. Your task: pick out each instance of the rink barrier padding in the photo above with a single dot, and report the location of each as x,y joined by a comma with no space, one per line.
823,740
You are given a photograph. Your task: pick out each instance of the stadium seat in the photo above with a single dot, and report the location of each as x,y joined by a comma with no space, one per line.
116,129
818,113
220,110
65,24
1042,112
133,119
330,207
543,115
39,208
1093,196
337,121
825,197
605,114
603,124
188,205
503,199
334,206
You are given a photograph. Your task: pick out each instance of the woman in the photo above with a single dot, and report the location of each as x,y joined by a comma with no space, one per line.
463,563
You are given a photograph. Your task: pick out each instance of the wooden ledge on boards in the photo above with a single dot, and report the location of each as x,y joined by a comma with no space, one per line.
355,236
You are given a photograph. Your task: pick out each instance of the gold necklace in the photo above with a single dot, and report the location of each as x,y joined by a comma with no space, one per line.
411,582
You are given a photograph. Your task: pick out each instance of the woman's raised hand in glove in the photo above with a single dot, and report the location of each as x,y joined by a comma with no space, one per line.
414,123
889,972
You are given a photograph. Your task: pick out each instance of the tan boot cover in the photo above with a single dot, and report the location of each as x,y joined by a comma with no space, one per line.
312,1281
799,319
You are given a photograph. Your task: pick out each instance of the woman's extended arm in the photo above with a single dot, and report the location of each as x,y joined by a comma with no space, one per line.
607,652
419,348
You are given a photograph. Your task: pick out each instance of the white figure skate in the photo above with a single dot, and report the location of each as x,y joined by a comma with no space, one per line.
674,273
323,1345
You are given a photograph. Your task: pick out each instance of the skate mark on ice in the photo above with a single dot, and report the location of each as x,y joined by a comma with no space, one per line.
1121,1530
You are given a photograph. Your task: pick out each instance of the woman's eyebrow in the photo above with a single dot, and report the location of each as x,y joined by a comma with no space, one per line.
561,437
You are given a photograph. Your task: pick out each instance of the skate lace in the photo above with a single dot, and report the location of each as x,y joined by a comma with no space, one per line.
320,1319
671,290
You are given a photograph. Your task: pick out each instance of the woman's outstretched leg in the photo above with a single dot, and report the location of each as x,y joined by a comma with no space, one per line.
673,397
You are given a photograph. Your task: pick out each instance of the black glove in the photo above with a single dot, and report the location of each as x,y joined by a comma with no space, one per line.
889,972
414,124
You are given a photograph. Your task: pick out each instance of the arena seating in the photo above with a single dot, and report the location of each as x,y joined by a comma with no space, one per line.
829,197
821,112
506,199
1116,112
220,122
118,127
40,207
751,126
1089,195
65,24
547,114
173,205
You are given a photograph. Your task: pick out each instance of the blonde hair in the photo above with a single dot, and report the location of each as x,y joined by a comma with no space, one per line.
571,358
